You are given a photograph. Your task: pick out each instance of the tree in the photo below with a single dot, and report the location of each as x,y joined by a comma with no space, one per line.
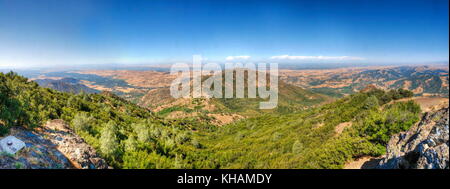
82,122
131,144
196,144
405,93
297,147
182,138
371,103
5,112
108,140
142,132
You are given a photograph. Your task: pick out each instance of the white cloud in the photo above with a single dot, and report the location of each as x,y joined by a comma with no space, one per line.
237,58
288,57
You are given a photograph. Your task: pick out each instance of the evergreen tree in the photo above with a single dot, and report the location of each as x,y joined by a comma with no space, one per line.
82,122
108,140
297,147
371,103
131,144
142,132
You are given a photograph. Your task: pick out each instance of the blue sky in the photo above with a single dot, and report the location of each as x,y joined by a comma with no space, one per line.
72,32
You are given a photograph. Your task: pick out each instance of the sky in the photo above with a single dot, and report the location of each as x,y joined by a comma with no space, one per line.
83,32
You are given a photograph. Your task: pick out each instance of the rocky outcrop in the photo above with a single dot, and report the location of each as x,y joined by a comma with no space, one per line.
54,146
81,154
39,153
424,146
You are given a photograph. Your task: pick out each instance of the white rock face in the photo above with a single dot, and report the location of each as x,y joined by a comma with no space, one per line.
11,145
423,146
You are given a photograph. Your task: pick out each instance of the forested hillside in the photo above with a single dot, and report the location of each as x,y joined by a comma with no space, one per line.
290,98
129,136
313,138
110,124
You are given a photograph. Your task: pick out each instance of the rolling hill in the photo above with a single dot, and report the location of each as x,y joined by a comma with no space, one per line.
65,85
422,80
290,98
220,111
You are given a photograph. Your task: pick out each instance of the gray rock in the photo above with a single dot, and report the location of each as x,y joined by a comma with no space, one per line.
72,146
38,153
54,146
424,146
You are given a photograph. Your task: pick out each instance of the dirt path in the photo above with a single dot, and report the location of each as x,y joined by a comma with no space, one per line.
366,162
341,127
427,103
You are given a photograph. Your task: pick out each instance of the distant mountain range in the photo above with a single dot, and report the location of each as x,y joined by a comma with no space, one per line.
422,80
70,85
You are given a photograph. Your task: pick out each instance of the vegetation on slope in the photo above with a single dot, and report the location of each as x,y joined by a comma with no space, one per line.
308,139
129,136
291,98
110,124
